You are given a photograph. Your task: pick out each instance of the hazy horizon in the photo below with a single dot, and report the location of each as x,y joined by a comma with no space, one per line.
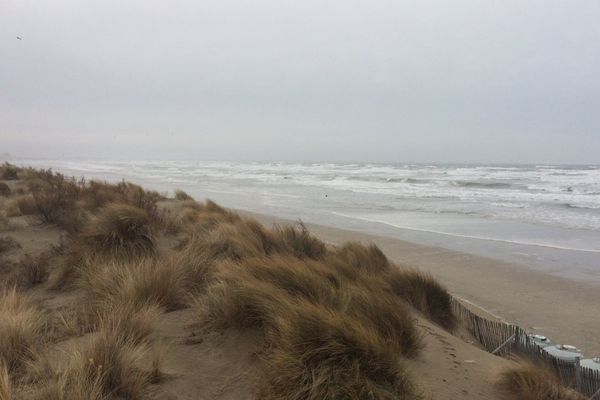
409,82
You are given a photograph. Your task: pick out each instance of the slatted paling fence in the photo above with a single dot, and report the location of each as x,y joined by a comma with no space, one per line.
506,339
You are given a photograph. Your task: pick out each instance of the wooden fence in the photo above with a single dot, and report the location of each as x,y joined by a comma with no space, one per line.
506,340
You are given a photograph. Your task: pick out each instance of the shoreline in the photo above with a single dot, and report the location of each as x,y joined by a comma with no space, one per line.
537,301
542,300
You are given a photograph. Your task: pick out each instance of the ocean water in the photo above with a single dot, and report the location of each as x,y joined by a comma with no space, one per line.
543,216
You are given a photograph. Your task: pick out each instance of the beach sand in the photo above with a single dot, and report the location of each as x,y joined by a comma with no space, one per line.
563,310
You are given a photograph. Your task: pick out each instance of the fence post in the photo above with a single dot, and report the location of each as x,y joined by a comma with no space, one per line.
578,374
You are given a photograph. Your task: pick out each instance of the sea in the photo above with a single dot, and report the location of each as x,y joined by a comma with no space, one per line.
545,217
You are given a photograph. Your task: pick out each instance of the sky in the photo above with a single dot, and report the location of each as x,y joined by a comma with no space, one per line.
507,81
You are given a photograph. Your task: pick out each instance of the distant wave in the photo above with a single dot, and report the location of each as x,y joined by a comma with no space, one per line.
491,185
383,179
579,206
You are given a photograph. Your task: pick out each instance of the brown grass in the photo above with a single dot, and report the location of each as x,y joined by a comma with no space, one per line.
322,354
144,282
8,243
19,205
326,337
8,172
66,202
120,233
529,381
108,367
301,242
5,384
110,364
181,195
33,270
335,321
4,189
425,294
21,329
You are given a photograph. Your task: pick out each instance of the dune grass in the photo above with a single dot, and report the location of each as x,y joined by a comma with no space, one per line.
181,195
425,294
8,172
119,232
21,328
336,322
4,189
530,381
5,384
144,282
327,338
8,243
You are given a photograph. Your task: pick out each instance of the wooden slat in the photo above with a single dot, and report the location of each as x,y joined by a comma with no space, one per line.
493,334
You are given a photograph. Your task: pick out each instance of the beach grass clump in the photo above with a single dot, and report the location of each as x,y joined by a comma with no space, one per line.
143,282
183,196
5,383
32,270
19,205
9,172
8,243
54,198
21,329
530,381
107,368
120,231
425,294
111,364
4,189
300,242
325,337
320,354
369,259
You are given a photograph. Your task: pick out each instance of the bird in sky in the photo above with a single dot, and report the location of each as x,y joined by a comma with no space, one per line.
19,38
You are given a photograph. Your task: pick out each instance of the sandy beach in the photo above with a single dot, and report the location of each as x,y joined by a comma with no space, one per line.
561,309
197,301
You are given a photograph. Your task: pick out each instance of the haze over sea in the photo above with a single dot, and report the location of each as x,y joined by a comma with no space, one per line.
542,216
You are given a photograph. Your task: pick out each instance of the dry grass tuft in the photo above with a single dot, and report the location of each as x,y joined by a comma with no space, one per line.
32,270
425,294
120,231
181,195
369,259
8,243
5,384
326,337
528,381
19,205
4,189
144,282
8,172
301,243
322,354
107,368
21,329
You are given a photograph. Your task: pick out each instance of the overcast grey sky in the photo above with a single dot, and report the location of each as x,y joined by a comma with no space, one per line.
430,81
